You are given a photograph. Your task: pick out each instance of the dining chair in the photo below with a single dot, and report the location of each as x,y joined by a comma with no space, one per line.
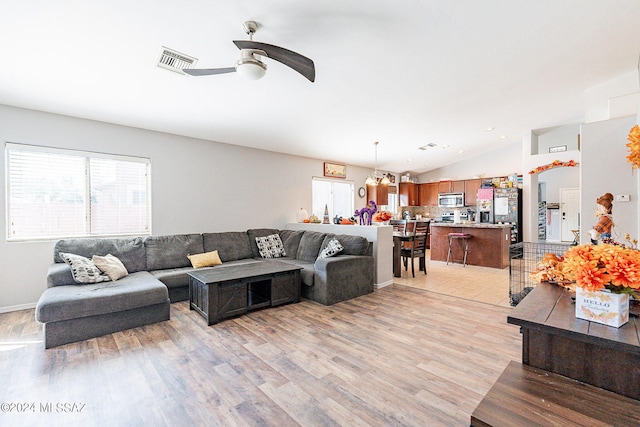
399,225
416,247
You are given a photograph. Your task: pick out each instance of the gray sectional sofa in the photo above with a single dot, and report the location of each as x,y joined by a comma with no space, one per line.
158,267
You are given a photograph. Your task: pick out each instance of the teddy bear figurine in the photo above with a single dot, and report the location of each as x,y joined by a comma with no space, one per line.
602,229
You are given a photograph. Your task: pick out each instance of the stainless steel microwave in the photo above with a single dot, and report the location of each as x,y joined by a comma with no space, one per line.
451,200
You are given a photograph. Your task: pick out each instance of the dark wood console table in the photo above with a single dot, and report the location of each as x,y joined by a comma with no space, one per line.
227,291
555,340
573,372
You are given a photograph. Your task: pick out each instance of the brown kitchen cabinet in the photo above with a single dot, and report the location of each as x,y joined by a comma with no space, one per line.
451,187
428,194
378,193
408,192
471,187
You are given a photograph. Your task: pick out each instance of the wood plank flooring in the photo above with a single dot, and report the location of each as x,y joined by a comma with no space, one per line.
400,356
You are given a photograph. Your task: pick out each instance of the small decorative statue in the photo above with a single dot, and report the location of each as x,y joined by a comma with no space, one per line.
325,220
366,214
602,229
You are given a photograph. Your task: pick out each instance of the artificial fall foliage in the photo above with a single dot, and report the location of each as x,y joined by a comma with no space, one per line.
593,268
634,147
382,216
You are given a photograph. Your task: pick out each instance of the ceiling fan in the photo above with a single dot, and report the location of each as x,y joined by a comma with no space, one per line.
251,67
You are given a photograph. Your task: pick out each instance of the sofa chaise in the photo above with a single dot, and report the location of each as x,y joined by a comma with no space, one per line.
158,267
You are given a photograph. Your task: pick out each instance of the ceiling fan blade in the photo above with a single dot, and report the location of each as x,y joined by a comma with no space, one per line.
291,59
208,71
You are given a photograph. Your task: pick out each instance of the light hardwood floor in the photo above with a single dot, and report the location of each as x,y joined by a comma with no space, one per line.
482,284
400,356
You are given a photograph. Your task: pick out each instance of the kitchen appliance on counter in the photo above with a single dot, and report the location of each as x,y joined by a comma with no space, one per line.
484,205
451,200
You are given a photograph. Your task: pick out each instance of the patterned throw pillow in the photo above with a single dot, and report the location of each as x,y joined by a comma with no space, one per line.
83,269
111,265
270,246
332,248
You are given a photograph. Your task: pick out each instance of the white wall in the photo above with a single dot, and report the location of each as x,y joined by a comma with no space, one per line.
605,169
612,99
558,178
499,162
197,186
558,136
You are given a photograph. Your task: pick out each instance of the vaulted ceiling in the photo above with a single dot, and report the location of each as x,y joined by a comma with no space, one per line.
407,73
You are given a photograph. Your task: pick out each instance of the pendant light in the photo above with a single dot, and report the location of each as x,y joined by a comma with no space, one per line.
376,177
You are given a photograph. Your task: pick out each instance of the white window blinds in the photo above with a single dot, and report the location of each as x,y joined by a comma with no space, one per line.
59,193
337,196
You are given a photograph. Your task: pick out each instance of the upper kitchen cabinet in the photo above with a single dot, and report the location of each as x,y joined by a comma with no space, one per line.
471,187
378,193
451,187
428,194
408,192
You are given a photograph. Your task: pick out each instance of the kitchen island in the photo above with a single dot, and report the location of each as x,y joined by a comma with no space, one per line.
488,246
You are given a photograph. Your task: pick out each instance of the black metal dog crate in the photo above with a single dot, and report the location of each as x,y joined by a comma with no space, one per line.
524,259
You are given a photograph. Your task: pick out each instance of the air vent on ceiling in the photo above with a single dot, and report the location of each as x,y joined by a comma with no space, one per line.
175,61
426,147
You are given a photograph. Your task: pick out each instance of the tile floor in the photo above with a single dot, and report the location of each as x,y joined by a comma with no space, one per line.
488,285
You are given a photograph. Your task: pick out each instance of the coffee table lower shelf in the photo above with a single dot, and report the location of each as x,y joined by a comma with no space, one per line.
227,291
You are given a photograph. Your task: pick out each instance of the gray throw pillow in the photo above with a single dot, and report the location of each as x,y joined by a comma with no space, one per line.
83,269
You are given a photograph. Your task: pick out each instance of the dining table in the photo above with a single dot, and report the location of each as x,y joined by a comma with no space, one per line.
398,238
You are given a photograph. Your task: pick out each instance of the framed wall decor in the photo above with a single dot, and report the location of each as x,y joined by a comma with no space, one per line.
335,171
558,149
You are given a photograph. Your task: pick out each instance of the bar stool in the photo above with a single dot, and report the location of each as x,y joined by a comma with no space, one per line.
464,238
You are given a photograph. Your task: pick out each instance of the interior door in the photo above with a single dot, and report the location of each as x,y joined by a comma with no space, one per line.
569,213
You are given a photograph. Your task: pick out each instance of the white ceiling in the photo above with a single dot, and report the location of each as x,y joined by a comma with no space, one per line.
405,73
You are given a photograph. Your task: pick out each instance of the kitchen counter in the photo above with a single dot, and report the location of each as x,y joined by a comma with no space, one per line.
488,246
468,224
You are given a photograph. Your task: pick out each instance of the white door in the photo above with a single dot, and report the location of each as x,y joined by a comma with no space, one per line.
569,213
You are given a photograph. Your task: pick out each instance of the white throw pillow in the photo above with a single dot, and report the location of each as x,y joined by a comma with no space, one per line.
111,265
83,269
332,248
270,246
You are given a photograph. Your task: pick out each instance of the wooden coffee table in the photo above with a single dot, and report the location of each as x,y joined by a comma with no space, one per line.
230,290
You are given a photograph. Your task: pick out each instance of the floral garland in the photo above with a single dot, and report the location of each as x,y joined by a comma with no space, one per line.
554,164
634,147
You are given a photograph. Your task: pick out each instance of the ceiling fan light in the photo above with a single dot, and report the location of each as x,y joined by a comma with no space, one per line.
251,69
385,180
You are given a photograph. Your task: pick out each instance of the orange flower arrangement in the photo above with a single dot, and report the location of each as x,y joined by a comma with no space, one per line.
634,147
596,267
382,216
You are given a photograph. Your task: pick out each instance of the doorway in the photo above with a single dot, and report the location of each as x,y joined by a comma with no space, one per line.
569,213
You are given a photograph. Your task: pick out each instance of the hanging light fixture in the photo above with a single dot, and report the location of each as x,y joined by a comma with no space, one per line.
376,177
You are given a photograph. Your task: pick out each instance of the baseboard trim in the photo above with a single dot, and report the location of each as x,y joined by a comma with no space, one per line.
19,307
383,284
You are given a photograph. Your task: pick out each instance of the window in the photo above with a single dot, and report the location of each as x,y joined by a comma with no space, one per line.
55,193
336,195
393,203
